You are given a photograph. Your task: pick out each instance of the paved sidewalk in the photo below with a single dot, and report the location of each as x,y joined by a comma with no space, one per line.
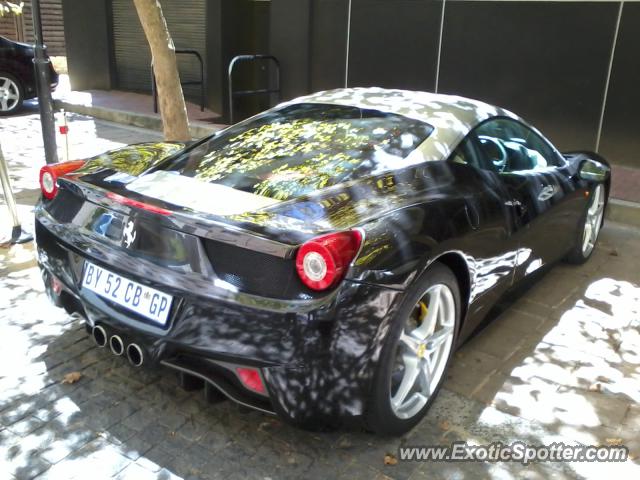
129,108
562,363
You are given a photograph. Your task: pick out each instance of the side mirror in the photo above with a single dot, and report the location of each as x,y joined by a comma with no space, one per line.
593,171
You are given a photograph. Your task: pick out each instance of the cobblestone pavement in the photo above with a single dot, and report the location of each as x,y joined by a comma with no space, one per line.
562,363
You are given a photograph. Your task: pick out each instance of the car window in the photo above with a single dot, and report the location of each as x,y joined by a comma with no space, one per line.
504,145
298,149
468,152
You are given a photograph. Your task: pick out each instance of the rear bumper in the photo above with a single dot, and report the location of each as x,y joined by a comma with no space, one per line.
316,362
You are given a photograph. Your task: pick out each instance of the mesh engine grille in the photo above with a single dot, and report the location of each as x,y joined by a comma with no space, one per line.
255,272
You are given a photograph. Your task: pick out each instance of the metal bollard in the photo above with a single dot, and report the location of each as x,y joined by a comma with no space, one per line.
17,234
63,128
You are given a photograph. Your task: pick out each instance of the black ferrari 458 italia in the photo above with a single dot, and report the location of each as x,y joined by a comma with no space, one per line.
322,260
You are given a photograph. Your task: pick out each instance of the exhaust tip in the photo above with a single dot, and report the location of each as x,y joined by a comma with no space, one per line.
116,345
135,355
99,336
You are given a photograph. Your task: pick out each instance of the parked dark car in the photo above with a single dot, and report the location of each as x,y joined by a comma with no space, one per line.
17,75
322,260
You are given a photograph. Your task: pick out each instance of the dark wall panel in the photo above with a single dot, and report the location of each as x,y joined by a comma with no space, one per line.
394,43
88,43
620,141
245,26
289,42
546,61
328,43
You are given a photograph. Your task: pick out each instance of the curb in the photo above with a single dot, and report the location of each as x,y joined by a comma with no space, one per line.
623,211
150,122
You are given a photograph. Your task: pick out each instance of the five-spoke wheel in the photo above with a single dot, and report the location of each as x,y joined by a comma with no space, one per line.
589,230
424,346
417,349
10,94
593,221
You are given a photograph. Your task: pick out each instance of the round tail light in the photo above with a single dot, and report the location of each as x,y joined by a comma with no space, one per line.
48,184
323,261
49,176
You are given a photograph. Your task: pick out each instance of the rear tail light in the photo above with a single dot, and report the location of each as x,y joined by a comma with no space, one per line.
251,379
323,261
49,175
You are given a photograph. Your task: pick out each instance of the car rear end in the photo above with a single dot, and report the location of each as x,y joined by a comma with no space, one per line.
158,285
227,271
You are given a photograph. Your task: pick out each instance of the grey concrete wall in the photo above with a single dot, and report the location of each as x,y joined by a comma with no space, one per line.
89,47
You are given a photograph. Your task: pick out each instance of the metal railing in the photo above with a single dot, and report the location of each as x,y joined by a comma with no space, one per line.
260,91
201,82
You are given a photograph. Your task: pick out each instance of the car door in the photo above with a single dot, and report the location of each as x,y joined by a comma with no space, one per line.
491,244
539,189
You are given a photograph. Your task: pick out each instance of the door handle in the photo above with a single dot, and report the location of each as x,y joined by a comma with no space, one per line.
546,193
518,206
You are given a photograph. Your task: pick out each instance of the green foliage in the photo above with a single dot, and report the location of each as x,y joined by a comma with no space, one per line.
7,7
133,159
316,152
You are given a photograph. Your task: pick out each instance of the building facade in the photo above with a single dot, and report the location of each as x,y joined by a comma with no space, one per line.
570,67
20,27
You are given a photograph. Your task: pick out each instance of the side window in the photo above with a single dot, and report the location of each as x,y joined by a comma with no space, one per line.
510,146
468,153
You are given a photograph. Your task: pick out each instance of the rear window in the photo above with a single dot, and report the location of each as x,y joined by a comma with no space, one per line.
300,148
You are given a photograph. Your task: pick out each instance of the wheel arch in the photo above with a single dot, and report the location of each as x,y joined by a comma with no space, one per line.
456,262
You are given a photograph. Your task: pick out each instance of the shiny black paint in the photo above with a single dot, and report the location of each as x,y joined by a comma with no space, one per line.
17,59
317,351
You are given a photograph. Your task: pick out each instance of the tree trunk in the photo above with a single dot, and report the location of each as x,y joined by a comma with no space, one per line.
170,97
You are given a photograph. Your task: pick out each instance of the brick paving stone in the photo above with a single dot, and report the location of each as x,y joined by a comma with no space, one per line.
136,472
96,460
63,409
26,425
358,471
21,461
65,441
498,340
632,418
194,429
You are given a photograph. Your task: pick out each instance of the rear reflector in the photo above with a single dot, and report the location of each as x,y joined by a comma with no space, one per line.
56,285
250,378
49,175
135,203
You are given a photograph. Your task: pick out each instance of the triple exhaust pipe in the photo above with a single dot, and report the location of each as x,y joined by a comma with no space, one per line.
134,352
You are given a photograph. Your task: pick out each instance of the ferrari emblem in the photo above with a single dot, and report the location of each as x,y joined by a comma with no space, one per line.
129,234
422,349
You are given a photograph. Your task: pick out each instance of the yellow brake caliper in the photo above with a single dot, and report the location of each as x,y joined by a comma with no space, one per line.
423,314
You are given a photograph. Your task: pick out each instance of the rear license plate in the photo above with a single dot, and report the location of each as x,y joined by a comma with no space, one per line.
146,301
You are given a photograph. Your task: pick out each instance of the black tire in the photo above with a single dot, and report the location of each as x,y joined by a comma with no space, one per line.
576,255
20,91
380,417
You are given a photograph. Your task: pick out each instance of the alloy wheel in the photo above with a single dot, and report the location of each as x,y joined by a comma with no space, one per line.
423,351
9,94
593,221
